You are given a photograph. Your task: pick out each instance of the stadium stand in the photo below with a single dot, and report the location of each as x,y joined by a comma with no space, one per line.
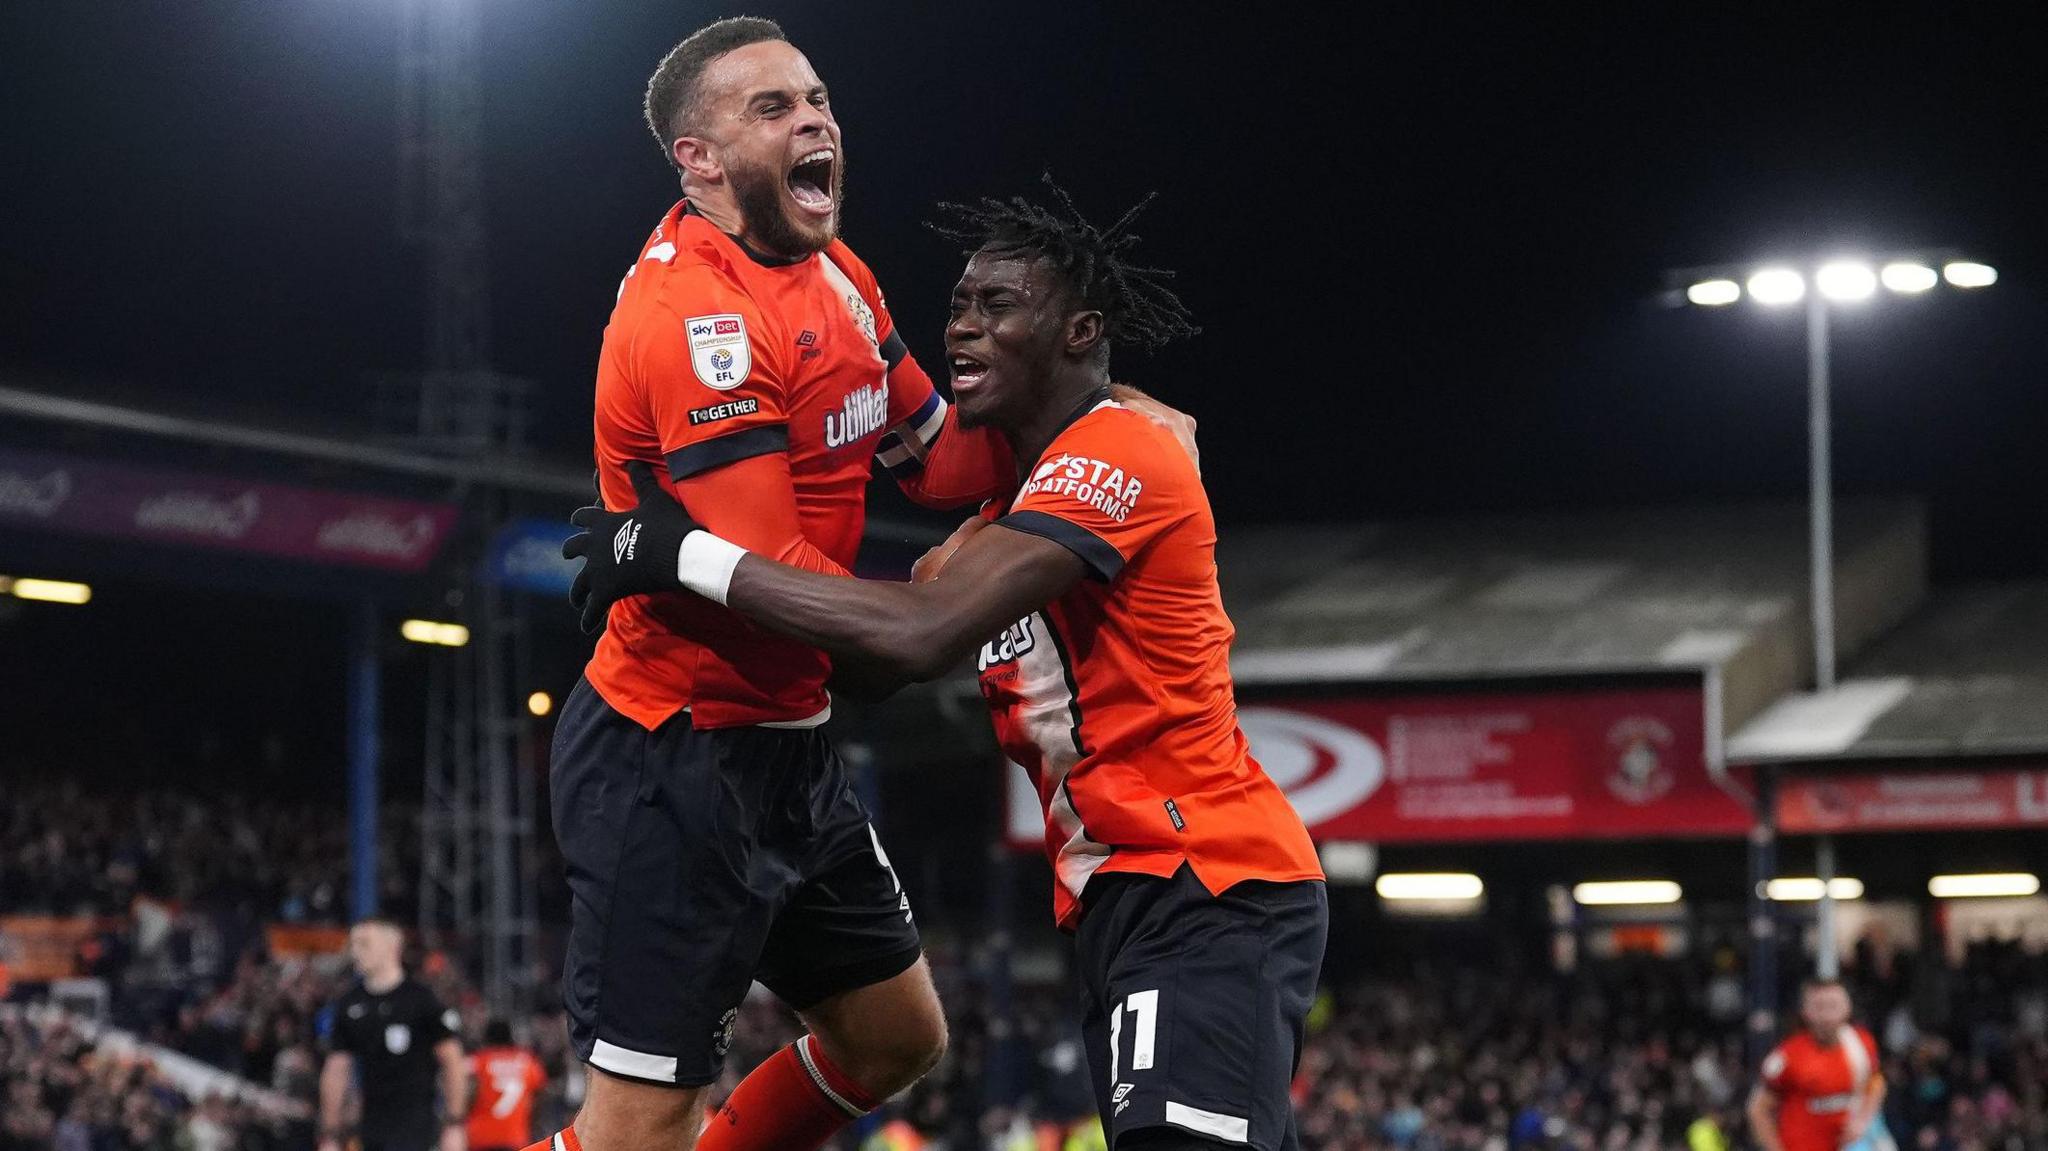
1621,592
1635,1053
1967,676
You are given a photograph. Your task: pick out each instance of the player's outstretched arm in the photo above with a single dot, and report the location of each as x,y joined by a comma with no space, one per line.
916,630
909,631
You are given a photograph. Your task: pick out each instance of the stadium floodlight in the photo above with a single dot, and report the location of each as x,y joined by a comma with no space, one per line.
1809,889
1968,274
1908,278
540,703
1714,293
46,590
1430,886
433,632
1627,893
1777,286
1836,281
1985,886
1846,280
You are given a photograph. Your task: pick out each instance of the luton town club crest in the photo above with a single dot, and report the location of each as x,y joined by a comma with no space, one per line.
1640,774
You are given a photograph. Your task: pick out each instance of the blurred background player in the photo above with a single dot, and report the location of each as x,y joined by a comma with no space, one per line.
1822,1089
507,1078
751,352
1192,886
395,1040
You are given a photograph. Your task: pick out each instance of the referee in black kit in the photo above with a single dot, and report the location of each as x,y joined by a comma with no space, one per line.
399,1043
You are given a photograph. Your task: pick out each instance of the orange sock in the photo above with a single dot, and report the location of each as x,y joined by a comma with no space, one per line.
792,1102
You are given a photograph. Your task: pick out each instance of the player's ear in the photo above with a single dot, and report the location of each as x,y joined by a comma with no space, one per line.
1084,332
697,157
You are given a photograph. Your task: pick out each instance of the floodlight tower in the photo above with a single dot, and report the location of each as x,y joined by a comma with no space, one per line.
1837,281
1833,282
480,808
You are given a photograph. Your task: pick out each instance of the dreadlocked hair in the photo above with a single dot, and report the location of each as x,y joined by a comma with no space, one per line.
1137,307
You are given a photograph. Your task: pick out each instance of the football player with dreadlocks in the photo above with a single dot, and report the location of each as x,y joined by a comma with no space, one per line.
1090,596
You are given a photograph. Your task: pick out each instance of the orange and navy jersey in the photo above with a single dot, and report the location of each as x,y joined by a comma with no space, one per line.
768,388
1117,697
507,1079
1818,1086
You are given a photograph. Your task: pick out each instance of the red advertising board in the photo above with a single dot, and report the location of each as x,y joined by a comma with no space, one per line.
1454,765
1913,800
52,492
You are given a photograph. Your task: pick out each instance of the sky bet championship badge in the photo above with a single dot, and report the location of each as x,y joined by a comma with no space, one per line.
718,350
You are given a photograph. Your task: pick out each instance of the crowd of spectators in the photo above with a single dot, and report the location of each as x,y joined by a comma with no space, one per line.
60,1089
1630,1054
69,850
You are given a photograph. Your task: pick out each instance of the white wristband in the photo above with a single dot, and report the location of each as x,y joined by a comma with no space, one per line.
704,564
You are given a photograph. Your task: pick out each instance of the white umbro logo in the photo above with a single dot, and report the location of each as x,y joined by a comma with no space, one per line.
1122,1089
622,544
356,1011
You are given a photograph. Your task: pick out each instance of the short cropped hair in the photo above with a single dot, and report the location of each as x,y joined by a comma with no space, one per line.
672,92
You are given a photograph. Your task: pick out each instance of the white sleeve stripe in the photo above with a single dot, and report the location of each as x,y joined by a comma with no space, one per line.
928,430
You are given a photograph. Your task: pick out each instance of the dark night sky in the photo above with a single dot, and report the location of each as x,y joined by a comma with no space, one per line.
1420,242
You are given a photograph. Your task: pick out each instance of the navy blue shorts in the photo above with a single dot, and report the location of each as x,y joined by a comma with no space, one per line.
700,861
1193,1005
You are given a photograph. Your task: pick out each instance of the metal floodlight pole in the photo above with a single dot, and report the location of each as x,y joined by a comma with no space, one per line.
1821,495
1774,285
1828,963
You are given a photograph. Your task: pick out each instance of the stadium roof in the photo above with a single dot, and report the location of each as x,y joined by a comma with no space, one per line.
1965,676
1569,594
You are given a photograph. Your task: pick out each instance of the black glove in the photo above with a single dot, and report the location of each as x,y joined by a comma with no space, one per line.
635,552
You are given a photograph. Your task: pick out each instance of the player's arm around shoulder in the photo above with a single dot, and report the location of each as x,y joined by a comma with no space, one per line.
914,631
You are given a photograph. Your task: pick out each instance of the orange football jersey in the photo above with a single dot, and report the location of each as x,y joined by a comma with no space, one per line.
507,1078
717,356
1817,1087
1117,698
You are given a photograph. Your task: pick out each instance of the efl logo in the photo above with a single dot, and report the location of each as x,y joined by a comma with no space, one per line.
719,351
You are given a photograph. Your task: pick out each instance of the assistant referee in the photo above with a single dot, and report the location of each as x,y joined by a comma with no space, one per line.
391,1035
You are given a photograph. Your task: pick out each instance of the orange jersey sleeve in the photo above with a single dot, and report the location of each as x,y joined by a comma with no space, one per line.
957,466
716,396
1105,490
752,502
713,386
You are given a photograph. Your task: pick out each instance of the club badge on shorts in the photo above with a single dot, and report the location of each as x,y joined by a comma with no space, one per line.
719,350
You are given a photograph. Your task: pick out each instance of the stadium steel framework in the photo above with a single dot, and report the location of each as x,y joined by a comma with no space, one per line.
480,809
